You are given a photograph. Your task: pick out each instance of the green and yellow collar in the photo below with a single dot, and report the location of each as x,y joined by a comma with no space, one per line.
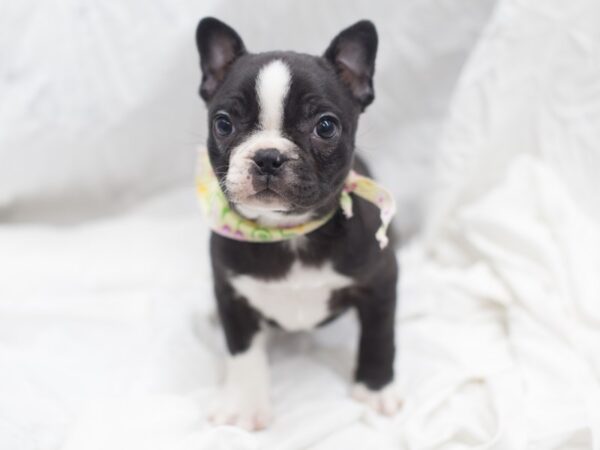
224,220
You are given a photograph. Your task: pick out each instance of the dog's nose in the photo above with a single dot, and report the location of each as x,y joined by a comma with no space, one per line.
269,161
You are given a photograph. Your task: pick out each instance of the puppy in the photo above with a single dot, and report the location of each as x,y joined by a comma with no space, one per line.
282,129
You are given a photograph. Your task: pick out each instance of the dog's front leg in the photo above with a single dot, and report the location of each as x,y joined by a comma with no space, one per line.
245,396
374,376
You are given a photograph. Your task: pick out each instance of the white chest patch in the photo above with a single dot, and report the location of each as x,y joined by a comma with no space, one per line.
297,302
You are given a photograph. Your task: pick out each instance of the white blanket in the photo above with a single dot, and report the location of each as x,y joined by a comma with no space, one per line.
107,329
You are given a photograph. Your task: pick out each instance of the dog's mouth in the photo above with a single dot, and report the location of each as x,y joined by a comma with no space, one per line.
289,191
265,200
269,193
267,196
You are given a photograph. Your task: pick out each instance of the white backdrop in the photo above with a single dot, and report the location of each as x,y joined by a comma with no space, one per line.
107,337
100,107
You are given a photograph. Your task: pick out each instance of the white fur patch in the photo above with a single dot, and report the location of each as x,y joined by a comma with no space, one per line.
298,243
272,86
270,218
245,397
298,301
239,180
386,400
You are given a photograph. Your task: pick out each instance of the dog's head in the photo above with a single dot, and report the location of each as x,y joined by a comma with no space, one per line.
282,124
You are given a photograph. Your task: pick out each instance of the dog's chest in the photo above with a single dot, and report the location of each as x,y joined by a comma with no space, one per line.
298,301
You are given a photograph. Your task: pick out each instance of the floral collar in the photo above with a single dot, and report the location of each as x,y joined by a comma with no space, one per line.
224,220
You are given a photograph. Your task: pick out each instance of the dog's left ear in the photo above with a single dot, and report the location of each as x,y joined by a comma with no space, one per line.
219,46
352,52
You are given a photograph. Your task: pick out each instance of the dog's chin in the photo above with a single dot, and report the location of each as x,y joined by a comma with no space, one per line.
263,201
269,200
270,208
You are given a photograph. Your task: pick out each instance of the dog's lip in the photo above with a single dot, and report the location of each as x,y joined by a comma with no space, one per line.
267,194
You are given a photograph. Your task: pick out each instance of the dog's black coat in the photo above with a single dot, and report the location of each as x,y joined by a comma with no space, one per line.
340,82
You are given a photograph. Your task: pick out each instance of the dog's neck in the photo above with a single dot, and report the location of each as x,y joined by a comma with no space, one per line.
274,219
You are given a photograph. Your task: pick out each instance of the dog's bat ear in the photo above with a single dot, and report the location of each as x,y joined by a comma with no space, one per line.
352,53
219,46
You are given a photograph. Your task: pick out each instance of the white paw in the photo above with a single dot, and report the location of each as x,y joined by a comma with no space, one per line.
386,400
249,412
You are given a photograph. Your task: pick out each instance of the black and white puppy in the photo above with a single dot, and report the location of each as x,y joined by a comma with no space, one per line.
282,128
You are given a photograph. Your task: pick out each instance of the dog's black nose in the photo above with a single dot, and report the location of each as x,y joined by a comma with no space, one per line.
269,161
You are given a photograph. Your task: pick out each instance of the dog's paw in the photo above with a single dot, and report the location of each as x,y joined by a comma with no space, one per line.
386,400
244,411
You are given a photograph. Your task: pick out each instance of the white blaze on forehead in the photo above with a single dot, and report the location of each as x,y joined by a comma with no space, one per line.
272,86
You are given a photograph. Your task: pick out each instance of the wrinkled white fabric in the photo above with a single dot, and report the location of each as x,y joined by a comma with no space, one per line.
510,307
513,247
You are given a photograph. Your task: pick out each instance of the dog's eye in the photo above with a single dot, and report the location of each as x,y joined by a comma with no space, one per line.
326,128
223,126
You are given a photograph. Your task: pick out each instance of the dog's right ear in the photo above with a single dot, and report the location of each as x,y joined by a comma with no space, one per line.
219,46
